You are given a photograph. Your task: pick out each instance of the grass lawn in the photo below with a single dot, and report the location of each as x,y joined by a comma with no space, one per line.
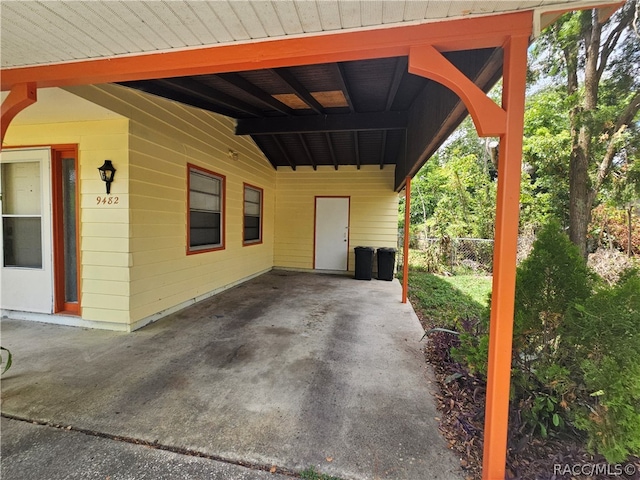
443,301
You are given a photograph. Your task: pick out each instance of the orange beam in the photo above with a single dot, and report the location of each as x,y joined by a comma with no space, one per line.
21,96
405,248
489,118
467,33
504,261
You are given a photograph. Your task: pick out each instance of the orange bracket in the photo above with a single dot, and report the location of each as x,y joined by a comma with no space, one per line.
20,97
490,120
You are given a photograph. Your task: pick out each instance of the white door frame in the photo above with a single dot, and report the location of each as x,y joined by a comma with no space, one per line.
342,233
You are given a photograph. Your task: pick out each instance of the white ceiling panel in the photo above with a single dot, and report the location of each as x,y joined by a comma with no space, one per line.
393,12
330,15
107,17
415,10
436,10
269,19
102,42
212,22
371,13
146,19
229,19
350,14
309,17
289,18
43,32
250,21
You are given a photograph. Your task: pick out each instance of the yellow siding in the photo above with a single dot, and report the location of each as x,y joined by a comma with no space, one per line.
104,229
373,210
134,260
164,137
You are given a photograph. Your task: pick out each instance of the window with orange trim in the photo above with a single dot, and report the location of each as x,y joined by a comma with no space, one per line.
252,224
206,205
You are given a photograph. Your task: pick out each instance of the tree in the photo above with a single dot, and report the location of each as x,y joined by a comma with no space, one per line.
597,60
454,192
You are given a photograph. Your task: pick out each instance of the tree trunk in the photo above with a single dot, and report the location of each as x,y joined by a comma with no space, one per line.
579,199
581,195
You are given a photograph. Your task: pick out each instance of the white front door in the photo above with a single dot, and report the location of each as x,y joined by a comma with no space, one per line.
332,233
26,279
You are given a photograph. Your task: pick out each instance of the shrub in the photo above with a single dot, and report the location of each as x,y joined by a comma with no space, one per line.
605,336
575,349
427,260
575,346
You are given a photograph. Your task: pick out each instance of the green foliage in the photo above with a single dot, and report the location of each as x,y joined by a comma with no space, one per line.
552,278
545,150
7,362
581,131
449,300
454,192
311,474
427,260
575,345
605,335
467,202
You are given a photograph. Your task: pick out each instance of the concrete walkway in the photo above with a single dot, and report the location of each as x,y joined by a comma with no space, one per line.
289,369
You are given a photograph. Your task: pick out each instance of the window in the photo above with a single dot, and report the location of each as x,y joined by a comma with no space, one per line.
206,210
21,214
252,215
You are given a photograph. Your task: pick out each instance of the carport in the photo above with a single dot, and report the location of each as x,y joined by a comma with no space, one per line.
463,49
289,369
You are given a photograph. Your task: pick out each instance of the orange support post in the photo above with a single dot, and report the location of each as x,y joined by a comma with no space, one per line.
405,249
504,261
20,97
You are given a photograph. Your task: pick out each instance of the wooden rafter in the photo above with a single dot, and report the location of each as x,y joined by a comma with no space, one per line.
256,92
327,136
299,89
189,85
383,149
401,69
308,151
356,148
348,122
344,86
186,97
283,150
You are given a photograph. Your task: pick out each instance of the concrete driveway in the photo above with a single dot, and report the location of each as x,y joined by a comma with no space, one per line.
289,369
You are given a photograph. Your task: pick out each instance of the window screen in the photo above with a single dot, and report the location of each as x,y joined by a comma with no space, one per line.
205,210
252,214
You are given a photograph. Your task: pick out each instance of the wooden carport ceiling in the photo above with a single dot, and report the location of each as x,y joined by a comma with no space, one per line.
349,113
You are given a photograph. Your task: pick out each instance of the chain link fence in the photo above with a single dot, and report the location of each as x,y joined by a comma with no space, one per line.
455,256
448,255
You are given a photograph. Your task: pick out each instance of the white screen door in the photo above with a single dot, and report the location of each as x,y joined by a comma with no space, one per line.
26,280
332,233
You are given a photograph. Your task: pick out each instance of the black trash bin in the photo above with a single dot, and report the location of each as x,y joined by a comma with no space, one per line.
364,263
386,263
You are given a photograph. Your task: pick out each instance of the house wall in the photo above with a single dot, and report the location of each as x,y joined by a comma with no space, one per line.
373,210
104,229
164,137
134,262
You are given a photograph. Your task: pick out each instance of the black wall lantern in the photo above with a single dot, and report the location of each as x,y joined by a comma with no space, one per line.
107,172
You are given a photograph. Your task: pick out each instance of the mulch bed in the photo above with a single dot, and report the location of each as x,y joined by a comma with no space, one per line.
461,403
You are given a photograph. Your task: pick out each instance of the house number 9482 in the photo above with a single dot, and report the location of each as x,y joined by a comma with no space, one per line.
107,200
